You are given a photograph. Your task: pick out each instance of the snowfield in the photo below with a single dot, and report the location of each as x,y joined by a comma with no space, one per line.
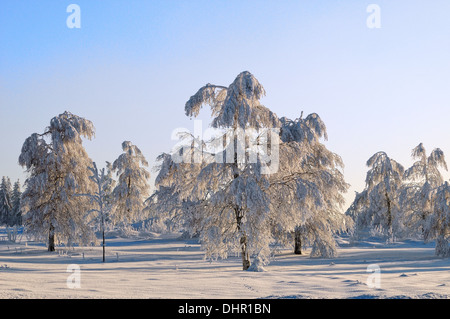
165,266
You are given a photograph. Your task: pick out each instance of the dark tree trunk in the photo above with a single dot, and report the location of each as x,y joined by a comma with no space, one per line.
103,231
104,245
51,238
244,252
389,219
297,241
243,241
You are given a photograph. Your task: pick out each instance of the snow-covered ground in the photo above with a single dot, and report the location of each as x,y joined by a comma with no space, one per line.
159,266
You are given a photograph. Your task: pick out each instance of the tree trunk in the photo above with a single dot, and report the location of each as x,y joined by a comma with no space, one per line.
104,245
103,231
51,238
243,241
244,253
297,241
239,210
389,219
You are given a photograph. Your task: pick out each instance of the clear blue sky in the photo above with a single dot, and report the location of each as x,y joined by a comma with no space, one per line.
132,65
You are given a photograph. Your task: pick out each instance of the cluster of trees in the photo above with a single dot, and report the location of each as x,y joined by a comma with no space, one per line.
405,203
231,203
261,183
10,198
66,197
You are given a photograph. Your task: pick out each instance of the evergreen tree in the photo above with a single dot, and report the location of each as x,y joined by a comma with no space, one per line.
6,204
16,211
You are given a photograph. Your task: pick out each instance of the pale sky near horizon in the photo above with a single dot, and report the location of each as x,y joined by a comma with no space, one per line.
132,65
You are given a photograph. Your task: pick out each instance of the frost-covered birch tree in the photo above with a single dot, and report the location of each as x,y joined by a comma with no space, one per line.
101,198
377,207
437,224
132,187
56,163
237,195
421,181
307,191
166,206
230,191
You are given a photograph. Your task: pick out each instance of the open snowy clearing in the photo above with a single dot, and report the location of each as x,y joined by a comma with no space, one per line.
168,267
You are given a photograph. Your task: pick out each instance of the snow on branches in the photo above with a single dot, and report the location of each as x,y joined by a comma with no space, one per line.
399,203
437,225
57,164
378,204
230,201
132,186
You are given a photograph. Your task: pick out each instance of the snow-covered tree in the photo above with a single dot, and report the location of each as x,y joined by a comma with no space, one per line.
6,204
227,188
307,190
358,211
16,211
437,225
56,163
377,207
240,197
101,198
166,206
234,106
132,187
10,199
421,180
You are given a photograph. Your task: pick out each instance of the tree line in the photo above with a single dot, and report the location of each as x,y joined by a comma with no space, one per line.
67,198
230,191
10,198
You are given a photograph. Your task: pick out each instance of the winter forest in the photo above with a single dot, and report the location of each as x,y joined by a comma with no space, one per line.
328,185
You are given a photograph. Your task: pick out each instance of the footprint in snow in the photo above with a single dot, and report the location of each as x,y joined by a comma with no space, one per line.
353,282
405,275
